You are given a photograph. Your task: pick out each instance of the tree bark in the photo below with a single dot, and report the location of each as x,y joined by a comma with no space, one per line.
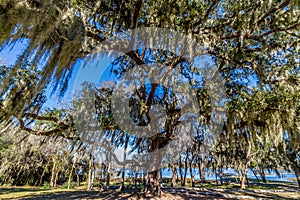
70,177
297,173
144,181
54,173
294,164
123,170
244,177
185,169
77,177
55,180
174,177
43,174
261,172
221,175
71,172
201,170
216,174
90,173
107,176
245,165
153,182
254,172
180,169
135,180
191,173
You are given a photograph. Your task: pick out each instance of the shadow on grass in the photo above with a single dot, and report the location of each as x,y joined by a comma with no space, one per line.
168,193
207,190
23,189
111,194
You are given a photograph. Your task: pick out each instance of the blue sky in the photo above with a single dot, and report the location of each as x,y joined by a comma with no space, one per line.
85,70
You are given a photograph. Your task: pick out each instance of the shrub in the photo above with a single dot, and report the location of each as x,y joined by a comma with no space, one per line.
46,185
72,185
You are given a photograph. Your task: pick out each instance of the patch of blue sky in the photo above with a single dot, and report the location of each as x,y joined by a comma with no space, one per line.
85,70
10,52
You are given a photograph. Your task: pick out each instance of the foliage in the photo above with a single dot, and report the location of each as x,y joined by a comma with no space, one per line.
254,44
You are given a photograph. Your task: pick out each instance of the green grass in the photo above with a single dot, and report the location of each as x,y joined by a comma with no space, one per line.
15,192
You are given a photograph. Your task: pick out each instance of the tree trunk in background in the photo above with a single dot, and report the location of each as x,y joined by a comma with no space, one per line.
135,180
185,168
261,172
221,175
248,184
295,167
180,169
201,170
144,181
55,180
53,173
107,176
192,176
123,179
185,172
297,173
71,172
216,174
123,170
174,177
254,172
90,173
244,177
70,176
43,174
245,166
77,177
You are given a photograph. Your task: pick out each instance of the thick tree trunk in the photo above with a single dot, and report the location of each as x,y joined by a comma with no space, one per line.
153,182
174,177
153,185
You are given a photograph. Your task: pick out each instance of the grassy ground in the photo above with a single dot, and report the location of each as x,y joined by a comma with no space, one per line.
208,190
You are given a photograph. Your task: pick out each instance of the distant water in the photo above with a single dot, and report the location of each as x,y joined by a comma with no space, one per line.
209,175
